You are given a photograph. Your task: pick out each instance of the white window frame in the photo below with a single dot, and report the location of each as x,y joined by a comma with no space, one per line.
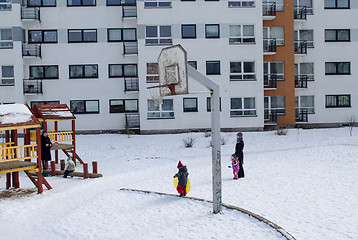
245,76
6,43
279,4
280,76
298,71
268,37
159,112
161,40
268,108
7,81
240,38
244,111
297,34
301,105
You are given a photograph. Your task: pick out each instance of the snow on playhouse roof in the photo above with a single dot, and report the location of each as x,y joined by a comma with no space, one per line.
53,112
16,116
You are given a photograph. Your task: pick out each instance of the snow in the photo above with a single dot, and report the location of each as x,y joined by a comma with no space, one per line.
305,182
14,113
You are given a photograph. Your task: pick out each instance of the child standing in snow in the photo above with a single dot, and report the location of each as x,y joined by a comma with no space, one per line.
70,167
182,178
235,166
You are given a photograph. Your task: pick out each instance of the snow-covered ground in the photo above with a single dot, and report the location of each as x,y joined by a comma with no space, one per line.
306,182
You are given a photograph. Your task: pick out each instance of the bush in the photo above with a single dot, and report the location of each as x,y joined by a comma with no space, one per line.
189,141
281,131
207,134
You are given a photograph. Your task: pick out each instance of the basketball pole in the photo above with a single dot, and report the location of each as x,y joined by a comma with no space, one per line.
215,134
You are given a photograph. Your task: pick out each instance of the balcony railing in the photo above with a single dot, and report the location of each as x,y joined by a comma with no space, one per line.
301,47
300,13
130,48
269,45
270,81
301,81
31,50
270,116
129,11
30,13
301,115
32,86
269,9
131,84
132,121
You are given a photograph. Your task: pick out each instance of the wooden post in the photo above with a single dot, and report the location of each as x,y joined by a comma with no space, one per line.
15,175
53,168
45,125
27,142
85,170
74,141
56,151
39,174
62,162
94,167
8,175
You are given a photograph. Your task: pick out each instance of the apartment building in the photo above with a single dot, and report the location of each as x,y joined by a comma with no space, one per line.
278,63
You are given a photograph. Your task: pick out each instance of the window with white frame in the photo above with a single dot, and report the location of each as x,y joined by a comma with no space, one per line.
336,4
304,35
274,71
274,105
152,73
241,34
304,104
279,4
84,106
239,3
164,110
240,107
155,35
5,5
337,101
299,4
304,70
7,76
157,3
276,33
242,71
6,38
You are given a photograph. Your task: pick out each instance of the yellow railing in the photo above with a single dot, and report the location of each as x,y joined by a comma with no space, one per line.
55,137
16,153
7,144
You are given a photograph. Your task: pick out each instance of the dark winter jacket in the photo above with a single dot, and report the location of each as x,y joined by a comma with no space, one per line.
45,150
239,151
182,176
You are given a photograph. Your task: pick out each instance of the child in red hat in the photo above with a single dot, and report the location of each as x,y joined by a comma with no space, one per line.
182,178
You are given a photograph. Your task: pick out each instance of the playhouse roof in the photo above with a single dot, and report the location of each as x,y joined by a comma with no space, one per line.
53,112
17,116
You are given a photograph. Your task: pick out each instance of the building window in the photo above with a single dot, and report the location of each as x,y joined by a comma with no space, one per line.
276,33
77,3
299,4
335,101
240,107
44,72
194,64
274,71
121,2
208,104
6,38
212,30
213,68
33,103
279,4
122,70
336,4
274,105
304,35
42,36
338,68
190,104
241,34
122,35
123,105
155,35
304,104
7,76
152,73
304,71
164,110
41,3
188,31
237,3
82,35
5,5
242,71
157,4
84,106
337,35
84,71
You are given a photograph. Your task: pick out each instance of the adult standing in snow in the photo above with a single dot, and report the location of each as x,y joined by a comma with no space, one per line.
182,179
45,149
240,154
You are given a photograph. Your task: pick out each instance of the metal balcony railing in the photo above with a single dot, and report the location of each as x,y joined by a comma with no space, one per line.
301,81
31,50
270,45
32,86
301,47
130,48
129,11
300,13
270,81
301,115
270,116
269,9
131,84
132,121
30,13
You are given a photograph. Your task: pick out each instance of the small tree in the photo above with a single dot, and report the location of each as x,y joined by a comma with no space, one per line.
189,141
281,131
351,123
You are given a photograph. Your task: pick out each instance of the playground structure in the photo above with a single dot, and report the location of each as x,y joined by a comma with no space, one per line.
15,158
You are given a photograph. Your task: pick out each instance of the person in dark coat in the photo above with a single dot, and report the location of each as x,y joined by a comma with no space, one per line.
240,154
182,179
45,149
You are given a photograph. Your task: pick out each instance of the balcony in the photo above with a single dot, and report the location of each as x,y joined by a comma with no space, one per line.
269,10
300,13
301,47
130,48
270,117
301,115
31,50
132,121
270,81
269,46
129,11
33,86
30,13
131,84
